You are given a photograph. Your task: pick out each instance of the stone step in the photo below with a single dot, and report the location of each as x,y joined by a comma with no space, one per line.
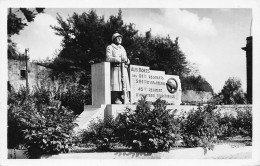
91,112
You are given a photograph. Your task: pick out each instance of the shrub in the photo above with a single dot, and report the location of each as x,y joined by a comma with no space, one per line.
226,124
148,128
239,123
49,131
243,121
74,98
74,94
101,133
200,127
16,102
232,92
14,129
42,124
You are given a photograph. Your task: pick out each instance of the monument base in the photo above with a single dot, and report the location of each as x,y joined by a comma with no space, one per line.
103,111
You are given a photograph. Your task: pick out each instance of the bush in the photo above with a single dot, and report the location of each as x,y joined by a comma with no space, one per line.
226,124
100,133
152,128
148,128
200,127
74,98
16,102
238,124
243,122
74,94
49,131
42,124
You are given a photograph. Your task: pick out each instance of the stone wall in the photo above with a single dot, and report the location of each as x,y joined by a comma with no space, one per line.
16,69
195,97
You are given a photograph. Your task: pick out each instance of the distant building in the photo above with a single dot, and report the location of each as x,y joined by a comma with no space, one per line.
249,69
17,73
196,97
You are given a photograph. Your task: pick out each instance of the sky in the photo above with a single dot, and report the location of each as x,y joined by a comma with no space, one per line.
211,38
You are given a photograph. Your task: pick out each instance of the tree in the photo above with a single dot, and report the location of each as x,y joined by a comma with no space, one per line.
86,36
232,92
196,83
159,53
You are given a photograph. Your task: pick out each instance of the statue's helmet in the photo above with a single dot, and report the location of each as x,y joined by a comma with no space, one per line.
115,36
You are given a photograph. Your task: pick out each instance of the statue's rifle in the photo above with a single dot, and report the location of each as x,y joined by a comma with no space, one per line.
123,83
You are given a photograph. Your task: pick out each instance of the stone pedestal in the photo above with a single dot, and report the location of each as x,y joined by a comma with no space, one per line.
143,82
100,79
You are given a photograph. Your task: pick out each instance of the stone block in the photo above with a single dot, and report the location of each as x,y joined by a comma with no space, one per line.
100,79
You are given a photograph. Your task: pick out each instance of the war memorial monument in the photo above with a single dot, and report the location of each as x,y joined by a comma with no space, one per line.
142,81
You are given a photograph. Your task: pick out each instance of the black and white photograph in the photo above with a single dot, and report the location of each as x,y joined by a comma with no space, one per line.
127,82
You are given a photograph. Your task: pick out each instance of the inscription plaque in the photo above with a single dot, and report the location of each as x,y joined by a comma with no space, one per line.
154,84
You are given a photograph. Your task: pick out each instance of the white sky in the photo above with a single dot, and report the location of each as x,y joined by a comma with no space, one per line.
211,38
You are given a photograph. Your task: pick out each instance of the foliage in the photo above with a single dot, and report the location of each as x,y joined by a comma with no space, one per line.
152,128
196,83
48,131
238,122
226,124
39,120
68,89
160,53
200,127
101,133
14,130
232,92
75,95
86,36
16,23
243,122
146,128
13,53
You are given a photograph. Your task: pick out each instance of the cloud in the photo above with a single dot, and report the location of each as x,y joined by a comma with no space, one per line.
39,37
193,53
172,21
20,47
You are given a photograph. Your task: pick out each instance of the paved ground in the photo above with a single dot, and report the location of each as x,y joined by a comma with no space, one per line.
220,152
224,151
245,155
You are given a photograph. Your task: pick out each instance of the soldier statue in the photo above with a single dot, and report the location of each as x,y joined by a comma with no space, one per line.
120,86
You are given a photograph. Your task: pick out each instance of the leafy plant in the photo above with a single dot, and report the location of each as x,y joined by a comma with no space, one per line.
238,123
200,127
17,101
243,121
148,128
75,98
48,131
232,92
101,133
42,124
226,124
